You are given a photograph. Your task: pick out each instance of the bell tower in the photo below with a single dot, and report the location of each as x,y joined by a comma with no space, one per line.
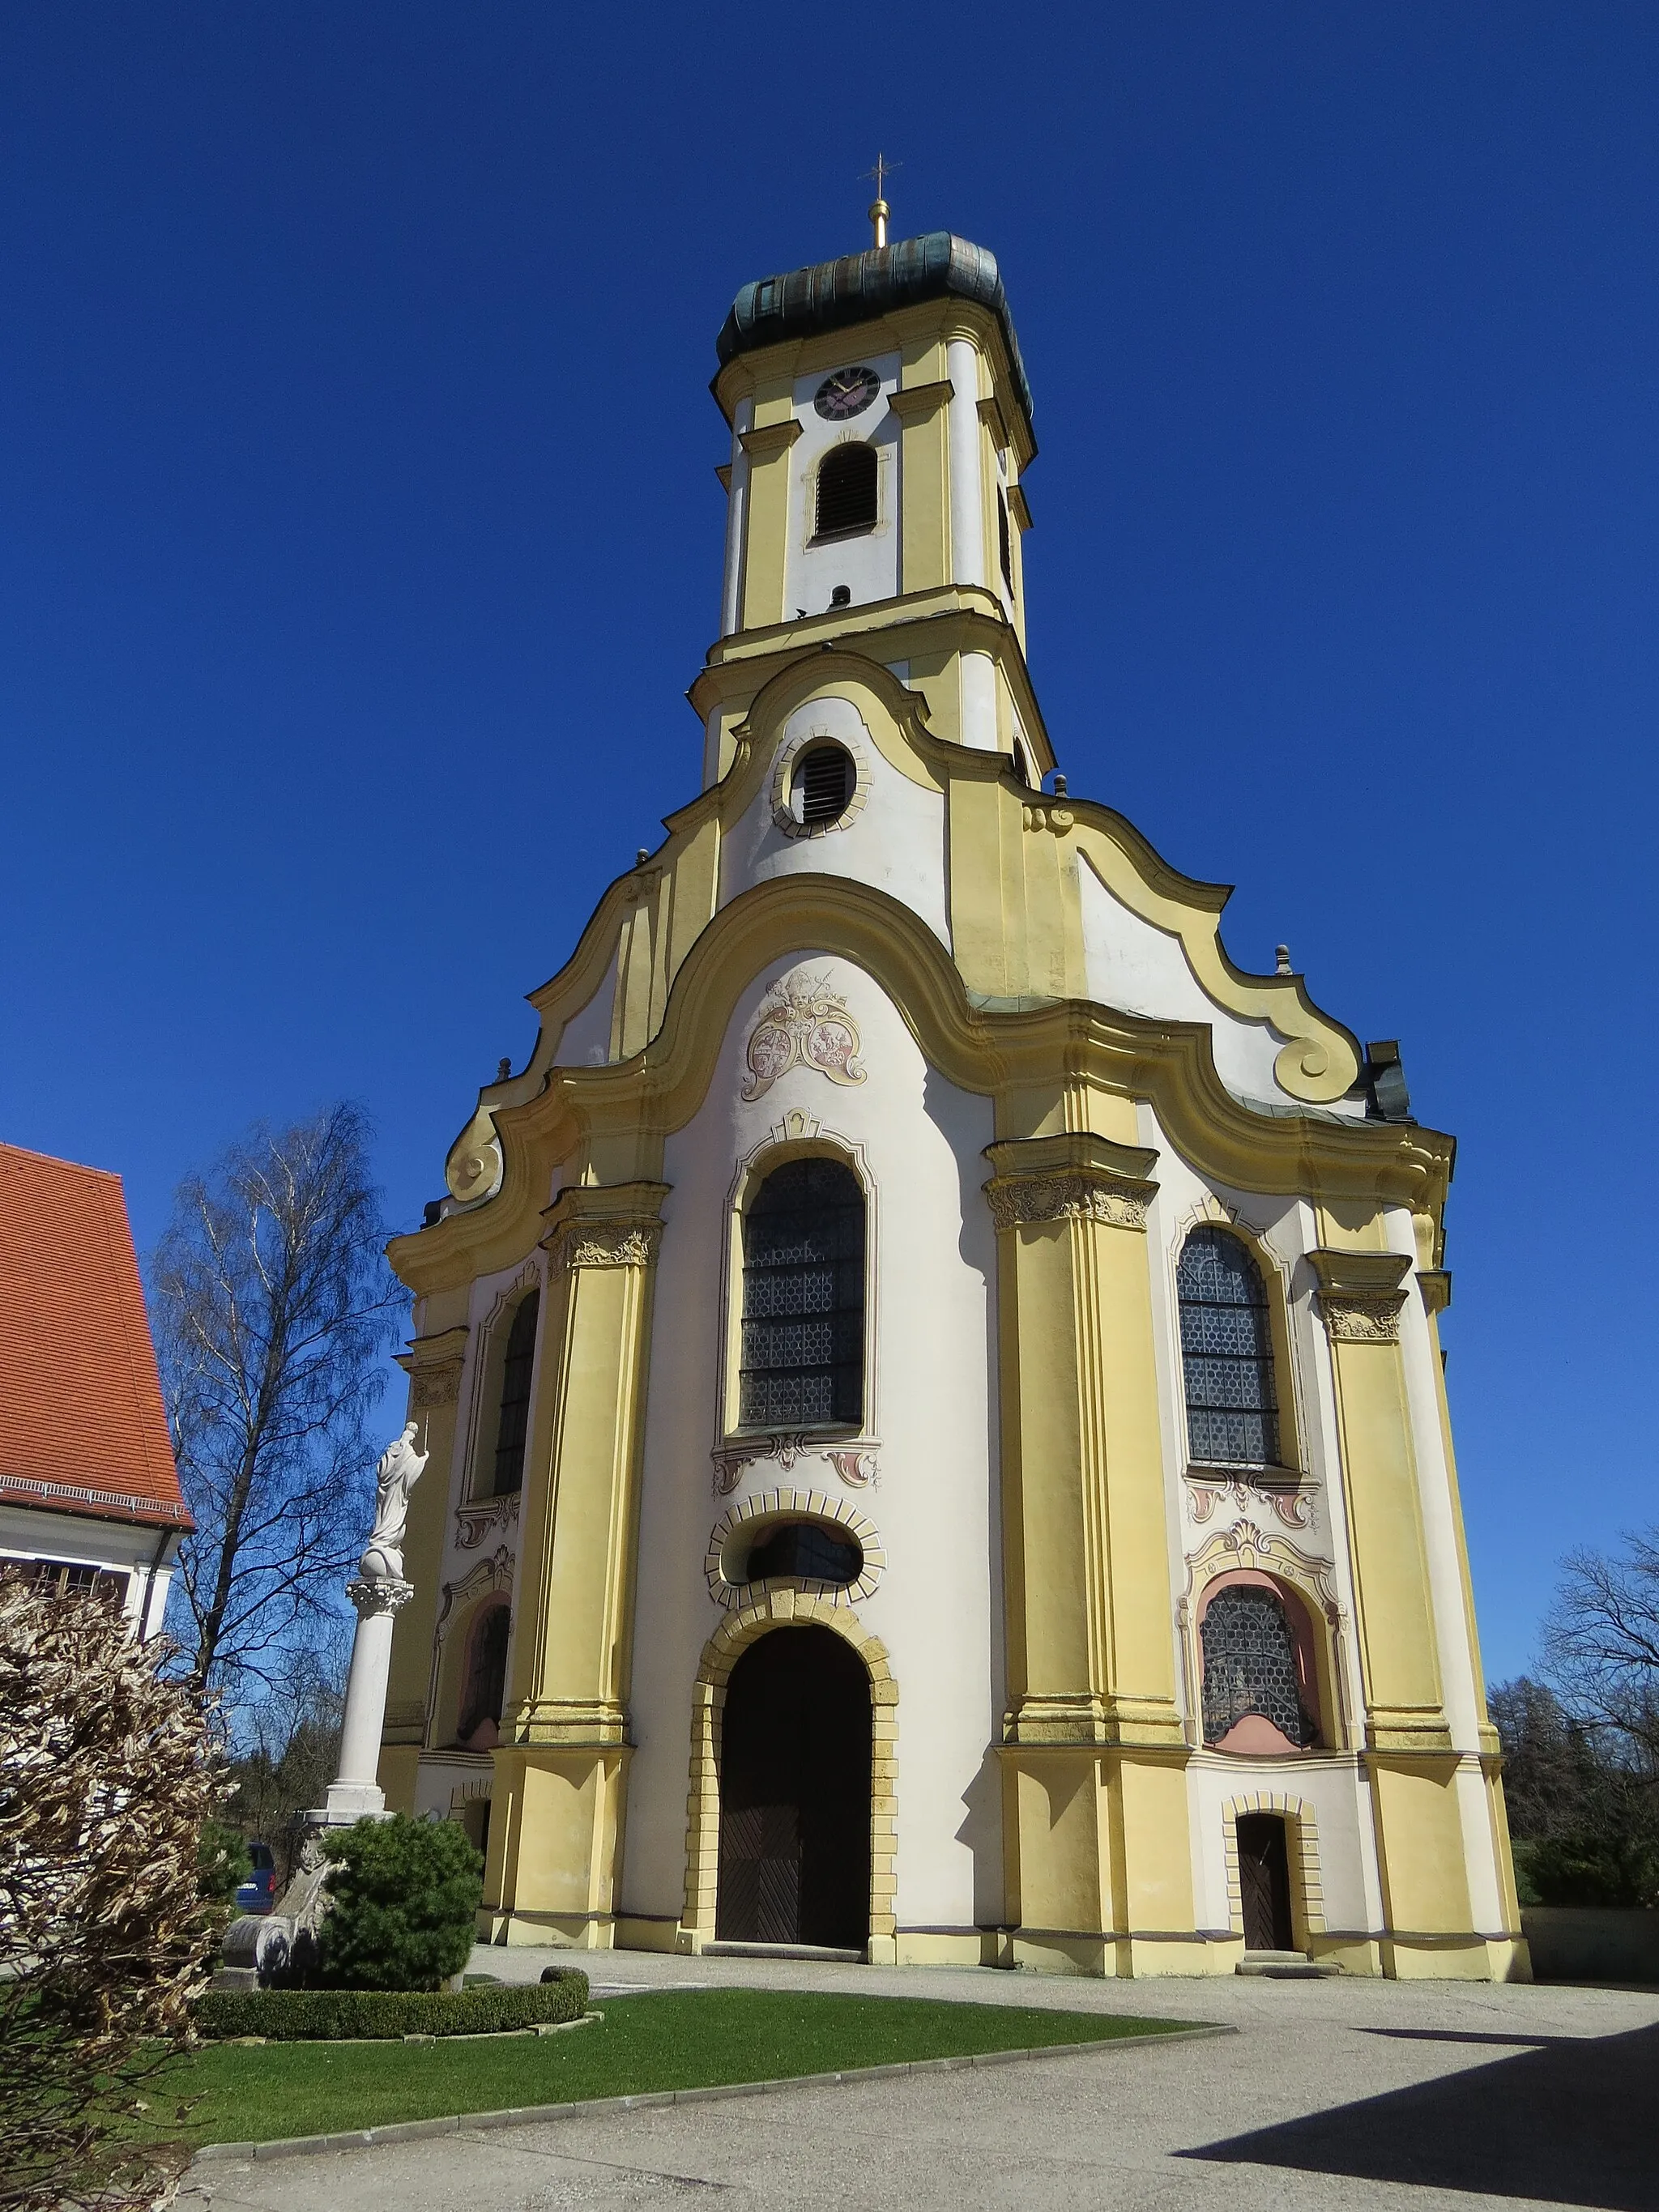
881,429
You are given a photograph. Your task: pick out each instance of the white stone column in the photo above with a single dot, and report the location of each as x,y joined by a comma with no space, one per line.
378,1592
355,1794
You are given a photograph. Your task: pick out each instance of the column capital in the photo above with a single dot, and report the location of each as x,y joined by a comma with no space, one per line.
1359,1294
376,1593
605,1225
1074,1177
434,1364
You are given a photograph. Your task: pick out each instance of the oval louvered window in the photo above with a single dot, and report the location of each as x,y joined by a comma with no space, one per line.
847,491
823,782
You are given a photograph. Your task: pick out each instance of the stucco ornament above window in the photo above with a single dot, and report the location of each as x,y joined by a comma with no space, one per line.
803,1024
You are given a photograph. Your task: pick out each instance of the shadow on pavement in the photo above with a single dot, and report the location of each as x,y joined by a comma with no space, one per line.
1570,2122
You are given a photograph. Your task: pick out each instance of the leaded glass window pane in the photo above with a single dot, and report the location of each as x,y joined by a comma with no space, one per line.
514,1427
803,1299
1226,1353
1249,1666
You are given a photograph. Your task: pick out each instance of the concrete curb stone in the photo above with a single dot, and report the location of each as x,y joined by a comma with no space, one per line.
525,2116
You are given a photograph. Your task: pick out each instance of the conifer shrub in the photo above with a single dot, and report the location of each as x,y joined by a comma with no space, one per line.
404,1897
352,2016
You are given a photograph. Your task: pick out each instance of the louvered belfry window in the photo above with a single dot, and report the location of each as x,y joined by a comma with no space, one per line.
1249,1666
847,491
803,1300
1226,1353
824,783
512,1427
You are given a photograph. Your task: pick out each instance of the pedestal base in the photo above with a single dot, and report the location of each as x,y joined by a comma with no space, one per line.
348,1801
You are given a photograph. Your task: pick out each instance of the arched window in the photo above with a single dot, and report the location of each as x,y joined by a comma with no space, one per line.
1226,1353
1255,1673
512,1427
486,1679
803,1299
847,491
1005,541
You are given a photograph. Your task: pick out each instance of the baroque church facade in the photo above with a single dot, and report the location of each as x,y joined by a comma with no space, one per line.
938,1444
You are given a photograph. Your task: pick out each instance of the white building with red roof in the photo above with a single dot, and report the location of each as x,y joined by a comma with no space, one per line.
89,1492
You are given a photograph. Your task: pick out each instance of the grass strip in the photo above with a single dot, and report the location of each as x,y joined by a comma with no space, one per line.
680,2039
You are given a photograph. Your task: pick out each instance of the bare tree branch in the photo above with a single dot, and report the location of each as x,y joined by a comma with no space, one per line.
1601,1646
272,1303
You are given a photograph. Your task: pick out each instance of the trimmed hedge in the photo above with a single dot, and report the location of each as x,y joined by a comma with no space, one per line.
353,2015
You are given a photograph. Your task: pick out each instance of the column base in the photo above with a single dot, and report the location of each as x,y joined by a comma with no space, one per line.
347,1803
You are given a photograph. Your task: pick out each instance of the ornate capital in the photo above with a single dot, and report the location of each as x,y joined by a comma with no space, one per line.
433,1365
1359,1295
1074,1177
606,1226
609,1244
372,1595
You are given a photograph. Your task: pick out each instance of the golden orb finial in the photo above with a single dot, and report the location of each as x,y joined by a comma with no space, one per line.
879,209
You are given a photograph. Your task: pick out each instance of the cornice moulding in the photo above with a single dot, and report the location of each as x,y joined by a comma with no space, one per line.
912,403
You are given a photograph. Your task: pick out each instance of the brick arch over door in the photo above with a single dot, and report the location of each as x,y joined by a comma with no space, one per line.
788,1609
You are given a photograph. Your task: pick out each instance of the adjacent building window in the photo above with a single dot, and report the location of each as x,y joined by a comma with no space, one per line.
1250,1668
1226,1353
802,1362
62,1576
847,491
512,1428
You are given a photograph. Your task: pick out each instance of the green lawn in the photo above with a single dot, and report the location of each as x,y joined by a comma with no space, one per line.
680,2039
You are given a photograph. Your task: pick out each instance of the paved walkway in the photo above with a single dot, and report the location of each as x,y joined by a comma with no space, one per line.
1335,2095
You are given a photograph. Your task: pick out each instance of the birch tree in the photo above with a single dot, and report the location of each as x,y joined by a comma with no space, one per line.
273,1306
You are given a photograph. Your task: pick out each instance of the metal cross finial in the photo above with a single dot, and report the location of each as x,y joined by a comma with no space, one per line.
879,209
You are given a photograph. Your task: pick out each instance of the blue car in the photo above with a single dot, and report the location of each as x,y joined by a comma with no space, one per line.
259,1893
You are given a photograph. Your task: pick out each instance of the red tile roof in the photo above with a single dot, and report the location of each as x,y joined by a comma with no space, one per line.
82,1429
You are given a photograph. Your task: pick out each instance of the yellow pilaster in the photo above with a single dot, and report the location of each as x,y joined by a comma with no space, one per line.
1094,1840
767,448
1360,1301
924,471
556,1830
433,1363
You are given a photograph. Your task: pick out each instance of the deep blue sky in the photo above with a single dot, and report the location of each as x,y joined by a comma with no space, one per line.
359,535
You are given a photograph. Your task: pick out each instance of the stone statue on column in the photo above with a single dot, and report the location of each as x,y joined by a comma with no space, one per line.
378,1591
280,1944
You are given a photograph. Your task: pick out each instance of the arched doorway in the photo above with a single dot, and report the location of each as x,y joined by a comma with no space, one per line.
1264,1881
795,1774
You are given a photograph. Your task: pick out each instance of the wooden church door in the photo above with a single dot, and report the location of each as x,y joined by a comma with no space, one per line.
1264,1877
795,1794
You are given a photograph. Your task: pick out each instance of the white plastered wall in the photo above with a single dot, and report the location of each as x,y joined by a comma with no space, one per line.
145,1555
895,841
867,564
1139,969
930,1421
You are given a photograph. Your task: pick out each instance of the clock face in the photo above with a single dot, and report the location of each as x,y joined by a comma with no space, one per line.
848,392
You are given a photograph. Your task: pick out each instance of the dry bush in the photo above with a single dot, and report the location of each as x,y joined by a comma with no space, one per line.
107,1774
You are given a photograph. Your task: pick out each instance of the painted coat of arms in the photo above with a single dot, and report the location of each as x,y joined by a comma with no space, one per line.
803,1024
